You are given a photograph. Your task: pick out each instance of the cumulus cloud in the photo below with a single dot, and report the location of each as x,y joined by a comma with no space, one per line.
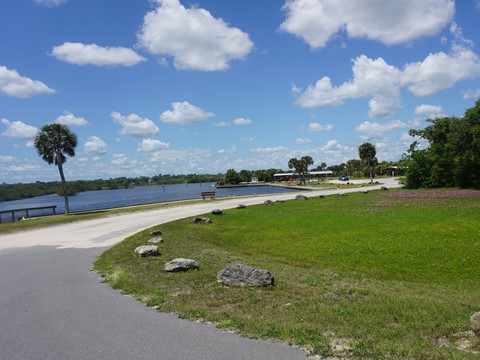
149,145
69,119
19,130
16,85
220,124
389,22
50,3
242,121
92,54
134,125
270,149
471,94
5,159
248,139
332,146
376,130
230,150
314,126
429,111
382,83
95,146
302,141
185,113
193,37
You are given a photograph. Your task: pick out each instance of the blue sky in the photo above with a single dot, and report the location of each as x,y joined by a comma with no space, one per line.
179,87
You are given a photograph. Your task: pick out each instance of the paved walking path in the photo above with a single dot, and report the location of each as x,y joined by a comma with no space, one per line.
53,307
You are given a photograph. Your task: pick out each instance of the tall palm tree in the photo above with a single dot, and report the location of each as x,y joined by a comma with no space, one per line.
367,153
53,142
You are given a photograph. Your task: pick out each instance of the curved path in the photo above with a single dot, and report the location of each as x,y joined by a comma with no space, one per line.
53,307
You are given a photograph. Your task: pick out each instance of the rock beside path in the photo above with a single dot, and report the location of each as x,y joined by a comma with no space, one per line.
201,220
181,264
243,275
475,323
156,240
147,250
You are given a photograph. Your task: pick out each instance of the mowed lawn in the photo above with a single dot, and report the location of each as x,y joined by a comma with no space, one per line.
392,274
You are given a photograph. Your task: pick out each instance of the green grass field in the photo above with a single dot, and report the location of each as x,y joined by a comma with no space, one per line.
357,276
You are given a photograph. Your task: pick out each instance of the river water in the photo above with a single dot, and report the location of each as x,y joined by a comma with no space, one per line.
106,199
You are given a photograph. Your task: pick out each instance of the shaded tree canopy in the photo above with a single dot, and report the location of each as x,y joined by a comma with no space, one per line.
300,166
452,158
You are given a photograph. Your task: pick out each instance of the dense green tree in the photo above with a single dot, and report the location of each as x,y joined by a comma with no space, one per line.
452,157
54,142
232,177
300,166
367,153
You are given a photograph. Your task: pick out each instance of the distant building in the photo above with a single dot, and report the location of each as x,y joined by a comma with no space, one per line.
311,175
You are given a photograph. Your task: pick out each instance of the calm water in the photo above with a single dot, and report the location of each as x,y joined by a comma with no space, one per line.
104,199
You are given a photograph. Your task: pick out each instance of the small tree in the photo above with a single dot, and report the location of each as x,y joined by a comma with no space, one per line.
367,153
300,166
53,142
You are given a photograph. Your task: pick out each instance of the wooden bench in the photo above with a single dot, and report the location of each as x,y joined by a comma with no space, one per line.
53,207
205,194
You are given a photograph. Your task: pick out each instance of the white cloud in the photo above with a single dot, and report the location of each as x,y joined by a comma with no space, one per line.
185,113
477,4
220,124
382,83
50,3
390,22
314,126
5,159
332,146
69,119
119,159
134,125
376,130
230,150
19,130
371,78
248,139
16,85
471,94
242,121
149,145
429,111
270,149
193,37
303,141
92,54
95,146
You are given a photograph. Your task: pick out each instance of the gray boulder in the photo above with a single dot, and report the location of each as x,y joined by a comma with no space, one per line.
181,264
147,250
241,206
475,323
243,275
384,188
217,212
268,202
201,220
156,240
156,233
301,197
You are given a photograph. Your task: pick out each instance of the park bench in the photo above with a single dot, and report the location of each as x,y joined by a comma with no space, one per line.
13,211
205,194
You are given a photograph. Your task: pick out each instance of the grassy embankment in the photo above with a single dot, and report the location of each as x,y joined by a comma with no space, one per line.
357,276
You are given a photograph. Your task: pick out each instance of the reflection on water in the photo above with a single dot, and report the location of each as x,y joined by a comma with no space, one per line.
105,199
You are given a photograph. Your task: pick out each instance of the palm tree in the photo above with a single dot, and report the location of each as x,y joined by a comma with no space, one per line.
53,142
301,166
367,153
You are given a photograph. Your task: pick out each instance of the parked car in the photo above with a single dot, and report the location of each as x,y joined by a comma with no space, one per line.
343,178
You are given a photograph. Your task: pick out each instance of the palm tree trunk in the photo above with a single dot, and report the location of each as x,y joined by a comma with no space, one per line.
64,185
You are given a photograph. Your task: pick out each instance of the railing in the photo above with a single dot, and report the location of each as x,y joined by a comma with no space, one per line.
26,210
